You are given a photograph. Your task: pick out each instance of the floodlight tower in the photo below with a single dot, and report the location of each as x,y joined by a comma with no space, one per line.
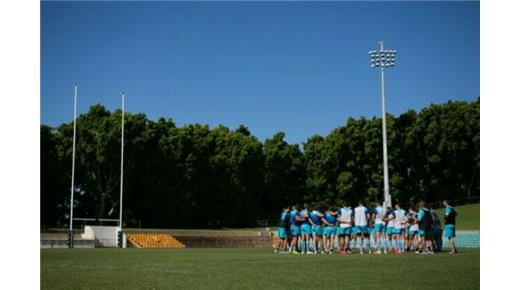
384,59
120,233
71,216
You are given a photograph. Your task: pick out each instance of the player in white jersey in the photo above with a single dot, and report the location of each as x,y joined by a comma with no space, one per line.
345,219
390,220
361,218
413,230
379,227
399,228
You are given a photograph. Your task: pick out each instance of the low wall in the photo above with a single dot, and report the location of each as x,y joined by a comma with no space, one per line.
226,241
464,239
61,244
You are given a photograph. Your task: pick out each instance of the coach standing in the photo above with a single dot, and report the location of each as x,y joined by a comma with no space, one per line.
449,225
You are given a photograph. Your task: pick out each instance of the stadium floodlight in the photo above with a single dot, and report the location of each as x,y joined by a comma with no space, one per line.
71,217
381,59
119,234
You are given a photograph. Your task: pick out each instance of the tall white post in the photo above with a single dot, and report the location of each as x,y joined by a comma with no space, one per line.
388,199
71,216
122,156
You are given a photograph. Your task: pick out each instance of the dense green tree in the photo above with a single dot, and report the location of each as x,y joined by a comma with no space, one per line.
197,176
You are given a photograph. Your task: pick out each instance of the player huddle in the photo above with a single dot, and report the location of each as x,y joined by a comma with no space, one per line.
343,229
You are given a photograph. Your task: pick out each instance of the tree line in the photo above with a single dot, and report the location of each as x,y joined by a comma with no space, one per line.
197,176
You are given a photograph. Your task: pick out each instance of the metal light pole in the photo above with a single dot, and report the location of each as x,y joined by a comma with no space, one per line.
71,217
384,58
120,233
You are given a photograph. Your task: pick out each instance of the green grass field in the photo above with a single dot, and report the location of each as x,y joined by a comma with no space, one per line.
253,268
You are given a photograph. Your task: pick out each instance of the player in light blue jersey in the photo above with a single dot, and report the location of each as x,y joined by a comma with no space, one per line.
305,229
295,220
449,225
425,228
330,229
316,219
379,227
283,224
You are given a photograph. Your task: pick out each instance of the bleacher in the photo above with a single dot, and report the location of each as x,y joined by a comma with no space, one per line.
154,240
464,239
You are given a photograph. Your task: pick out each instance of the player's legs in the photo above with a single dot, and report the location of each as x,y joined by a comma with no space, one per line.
365,238
282,236
295,233
348,232
389,239
359,239
377,241
377,237
395,237
316,240
449,232
404,241
341,243
421,242
331,241
303,239
340,233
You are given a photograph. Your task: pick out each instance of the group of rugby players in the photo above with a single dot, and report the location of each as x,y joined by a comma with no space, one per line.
312,231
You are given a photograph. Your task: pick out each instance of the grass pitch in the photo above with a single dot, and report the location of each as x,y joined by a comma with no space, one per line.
253,269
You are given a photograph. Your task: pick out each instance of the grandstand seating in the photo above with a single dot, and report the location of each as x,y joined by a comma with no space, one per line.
465,239
154,240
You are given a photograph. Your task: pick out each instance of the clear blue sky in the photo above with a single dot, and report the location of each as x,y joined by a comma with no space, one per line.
301,68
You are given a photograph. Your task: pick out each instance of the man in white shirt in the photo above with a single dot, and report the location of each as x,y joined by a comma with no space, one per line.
361,218
413,230
344,228
399,228
379,227
390,221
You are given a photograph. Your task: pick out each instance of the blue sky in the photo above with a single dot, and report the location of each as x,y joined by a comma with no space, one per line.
301,68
